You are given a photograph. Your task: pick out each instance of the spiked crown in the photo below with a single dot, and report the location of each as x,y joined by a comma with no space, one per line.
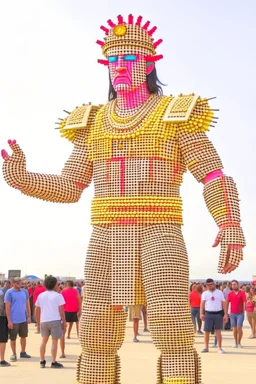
129,37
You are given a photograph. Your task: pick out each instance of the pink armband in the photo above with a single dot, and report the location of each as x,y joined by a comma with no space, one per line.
212,175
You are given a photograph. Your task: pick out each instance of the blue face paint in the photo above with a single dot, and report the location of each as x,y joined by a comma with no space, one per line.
112,59
130,58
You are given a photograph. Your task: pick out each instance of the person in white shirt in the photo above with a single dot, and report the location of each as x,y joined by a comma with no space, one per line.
226,290
50,316
211,312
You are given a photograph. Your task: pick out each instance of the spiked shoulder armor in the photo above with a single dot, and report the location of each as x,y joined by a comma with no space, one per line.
190,113
80,118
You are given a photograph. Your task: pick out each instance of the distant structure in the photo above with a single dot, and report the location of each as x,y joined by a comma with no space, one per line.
14,273
65,278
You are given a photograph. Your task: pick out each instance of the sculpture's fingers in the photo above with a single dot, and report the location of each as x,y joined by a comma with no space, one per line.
4,154
217,240
223,259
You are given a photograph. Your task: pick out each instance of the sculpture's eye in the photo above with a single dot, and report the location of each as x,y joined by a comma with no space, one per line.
112,59
130,58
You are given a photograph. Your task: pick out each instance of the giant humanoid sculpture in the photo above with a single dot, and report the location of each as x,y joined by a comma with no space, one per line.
137,148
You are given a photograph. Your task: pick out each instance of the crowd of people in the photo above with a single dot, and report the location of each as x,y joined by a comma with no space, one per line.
222,305
55,306
51,306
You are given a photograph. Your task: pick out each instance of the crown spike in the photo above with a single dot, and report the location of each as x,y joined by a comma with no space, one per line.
104,29
104,62
153,59
111,24
130,19
146,25
158,42
101,43
120,19
139,20
151,31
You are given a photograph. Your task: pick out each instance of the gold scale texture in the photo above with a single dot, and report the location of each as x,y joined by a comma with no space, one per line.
136,253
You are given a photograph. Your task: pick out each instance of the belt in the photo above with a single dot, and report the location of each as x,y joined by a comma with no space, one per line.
214,313
136,210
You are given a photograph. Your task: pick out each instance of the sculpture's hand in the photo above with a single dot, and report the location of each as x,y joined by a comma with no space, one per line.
231,241
14,166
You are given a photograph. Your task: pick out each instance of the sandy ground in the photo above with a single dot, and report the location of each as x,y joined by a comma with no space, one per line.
138,361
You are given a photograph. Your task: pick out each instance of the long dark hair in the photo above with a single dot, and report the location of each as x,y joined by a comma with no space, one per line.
153,84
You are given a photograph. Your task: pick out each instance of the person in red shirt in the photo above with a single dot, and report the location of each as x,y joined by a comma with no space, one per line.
72,307
195,301
250,311
39,289
72,310
31,288
237,299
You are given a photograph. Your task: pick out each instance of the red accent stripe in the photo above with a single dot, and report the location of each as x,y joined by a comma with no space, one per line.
151,31
104,62
146,25
130,19
120,19
158,42
111,24
225,197
139,20
101,43
122,172
104,29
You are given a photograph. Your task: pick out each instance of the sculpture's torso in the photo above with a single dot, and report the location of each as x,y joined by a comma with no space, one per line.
137,172
137,167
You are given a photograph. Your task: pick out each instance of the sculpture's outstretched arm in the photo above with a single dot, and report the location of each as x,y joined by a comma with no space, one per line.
65,188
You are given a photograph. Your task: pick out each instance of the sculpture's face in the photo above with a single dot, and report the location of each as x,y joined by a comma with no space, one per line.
130,50
128,72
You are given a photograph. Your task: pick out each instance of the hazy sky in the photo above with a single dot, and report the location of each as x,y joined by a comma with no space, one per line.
49,63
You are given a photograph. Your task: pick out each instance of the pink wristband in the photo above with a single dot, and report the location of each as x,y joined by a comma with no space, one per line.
229,224
234,247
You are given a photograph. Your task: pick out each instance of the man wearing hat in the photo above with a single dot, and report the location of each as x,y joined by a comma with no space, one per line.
211,312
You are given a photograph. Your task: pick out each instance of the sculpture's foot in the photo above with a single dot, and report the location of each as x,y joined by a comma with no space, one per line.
184,368
97,368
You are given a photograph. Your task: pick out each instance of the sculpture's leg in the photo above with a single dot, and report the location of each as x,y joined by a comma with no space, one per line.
166,282
102,326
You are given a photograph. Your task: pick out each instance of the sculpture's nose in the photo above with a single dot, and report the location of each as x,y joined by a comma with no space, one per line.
120,69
